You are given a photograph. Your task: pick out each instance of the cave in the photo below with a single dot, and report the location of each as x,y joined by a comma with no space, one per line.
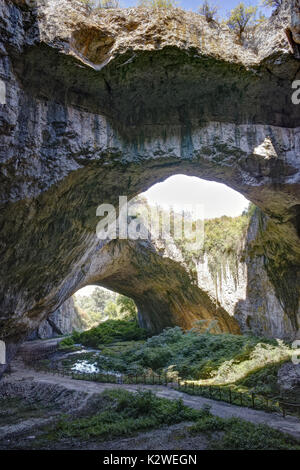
82,125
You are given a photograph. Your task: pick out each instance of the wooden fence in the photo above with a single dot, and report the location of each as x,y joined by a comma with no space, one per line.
225,393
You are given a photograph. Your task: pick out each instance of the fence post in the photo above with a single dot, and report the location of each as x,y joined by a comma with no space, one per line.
253,400
230,396
241,398
166,380
178,381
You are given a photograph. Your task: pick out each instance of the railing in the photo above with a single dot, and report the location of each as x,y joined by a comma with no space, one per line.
38,354
225,393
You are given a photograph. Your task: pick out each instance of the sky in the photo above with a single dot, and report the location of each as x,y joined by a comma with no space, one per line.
225,5
179,190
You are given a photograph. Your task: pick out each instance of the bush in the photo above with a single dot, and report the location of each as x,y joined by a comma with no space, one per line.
123,413
109,331
242,435
263,381
157,4
66,343
200,356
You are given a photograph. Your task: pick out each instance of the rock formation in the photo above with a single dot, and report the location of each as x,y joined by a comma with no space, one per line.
262,296
63,321
104,104
289,382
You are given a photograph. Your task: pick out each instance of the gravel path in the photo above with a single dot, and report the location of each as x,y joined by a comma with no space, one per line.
289,425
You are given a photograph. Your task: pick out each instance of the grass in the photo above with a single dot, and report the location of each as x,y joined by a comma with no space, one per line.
237,434
15,409
121,414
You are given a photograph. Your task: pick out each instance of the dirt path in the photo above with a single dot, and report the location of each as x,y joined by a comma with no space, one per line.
289,425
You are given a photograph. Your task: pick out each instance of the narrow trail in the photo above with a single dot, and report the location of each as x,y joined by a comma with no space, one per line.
289,425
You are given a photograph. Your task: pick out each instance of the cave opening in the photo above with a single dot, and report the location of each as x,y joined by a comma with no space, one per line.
118,295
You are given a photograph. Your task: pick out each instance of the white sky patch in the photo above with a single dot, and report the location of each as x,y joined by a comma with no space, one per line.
217,199
87,290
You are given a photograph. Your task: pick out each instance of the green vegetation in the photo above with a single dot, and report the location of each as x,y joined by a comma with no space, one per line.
262,381
16,409
241,435
103,304
66,344
272,3
223,245
109,331
241,17
157,4
122,414
126,307
216,359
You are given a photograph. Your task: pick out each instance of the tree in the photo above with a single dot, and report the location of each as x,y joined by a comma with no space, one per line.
208,10
111,310
127,307
272,3
100,297
94,304
240,18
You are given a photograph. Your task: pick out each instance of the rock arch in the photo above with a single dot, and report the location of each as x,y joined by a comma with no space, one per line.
78,131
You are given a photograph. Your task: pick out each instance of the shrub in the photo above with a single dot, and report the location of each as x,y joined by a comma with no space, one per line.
124,414
263,380
242,435
109,331
66,343
157,4
121,413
